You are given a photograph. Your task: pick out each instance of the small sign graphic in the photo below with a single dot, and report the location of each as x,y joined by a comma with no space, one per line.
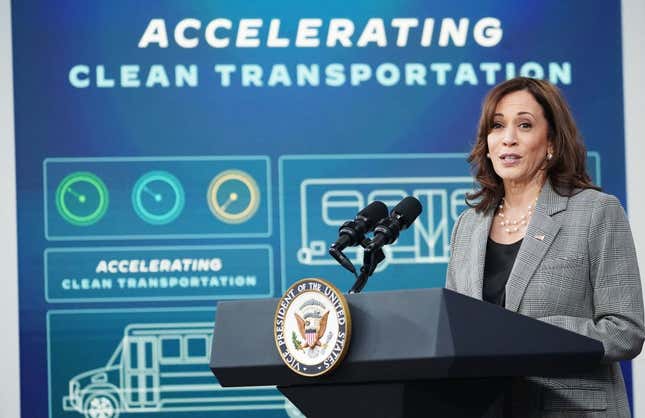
312,327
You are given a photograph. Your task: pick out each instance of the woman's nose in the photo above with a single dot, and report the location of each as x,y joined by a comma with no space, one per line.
509,137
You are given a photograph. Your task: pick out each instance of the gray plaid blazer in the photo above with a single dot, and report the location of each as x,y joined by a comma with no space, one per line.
576,268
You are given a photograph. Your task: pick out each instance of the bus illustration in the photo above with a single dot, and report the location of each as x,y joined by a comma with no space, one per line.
325,203
164,368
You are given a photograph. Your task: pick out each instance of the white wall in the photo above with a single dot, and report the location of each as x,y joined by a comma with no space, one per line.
634,76
9,362
633,15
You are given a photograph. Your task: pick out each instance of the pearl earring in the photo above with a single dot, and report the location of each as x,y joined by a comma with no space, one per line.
487,155
549,156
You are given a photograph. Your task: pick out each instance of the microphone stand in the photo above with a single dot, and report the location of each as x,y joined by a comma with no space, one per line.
370,261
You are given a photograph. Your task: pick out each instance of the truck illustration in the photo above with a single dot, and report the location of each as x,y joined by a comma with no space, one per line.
163,368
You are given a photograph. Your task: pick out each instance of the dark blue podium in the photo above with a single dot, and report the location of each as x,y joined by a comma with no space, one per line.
413,353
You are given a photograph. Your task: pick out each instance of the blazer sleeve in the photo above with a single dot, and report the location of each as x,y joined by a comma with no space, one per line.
615,281
451,280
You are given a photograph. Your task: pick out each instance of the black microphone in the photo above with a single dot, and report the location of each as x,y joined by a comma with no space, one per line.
386,232
388,229
352,233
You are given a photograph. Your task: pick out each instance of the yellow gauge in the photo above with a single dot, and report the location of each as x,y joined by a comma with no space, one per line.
233,196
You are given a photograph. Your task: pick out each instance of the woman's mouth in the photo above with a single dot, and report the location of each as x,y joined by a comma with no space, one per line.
509,159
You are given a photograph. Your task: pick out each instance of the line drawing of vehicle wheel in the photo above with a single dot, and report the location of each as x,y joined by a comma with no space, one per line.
101,405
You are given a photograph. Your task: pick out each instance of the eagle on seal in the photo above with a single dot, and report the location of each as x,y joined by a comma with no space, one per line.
312,328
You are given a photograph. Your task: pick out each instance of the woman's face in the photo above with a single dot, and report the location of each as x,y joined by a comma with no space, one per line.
518,143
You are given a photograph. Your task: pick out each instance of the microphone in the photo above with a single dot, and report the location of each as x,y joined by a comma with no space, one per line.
352,233
388,229
386,232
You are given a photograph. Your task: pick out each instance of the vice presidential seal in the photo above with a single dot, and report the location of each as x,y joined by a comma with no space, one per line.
312,327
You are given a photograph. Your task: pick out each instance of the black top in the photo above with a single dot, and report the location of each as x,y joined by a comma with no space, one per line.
499,262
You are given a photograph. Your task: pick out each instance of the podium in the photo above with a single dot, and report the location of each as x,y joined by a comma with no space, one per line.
413,353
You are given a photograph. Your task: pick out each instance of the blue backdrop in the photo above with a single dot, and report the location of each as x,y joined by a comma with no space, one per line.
173,154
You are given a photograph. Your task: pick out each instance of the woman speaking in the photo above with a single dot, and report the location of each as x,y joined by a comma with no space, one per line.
542,240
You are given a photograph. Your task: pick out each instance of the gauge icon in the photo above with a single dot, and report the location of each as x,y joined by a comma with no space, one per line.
82,198
158,197
233,196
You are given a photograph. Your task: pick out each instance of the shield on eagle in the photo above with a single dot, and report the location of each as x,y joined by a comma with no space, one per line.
312,323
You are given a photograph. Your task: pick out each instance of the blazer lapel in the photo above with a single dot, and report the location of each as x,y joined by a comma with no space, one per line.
479,241
540,233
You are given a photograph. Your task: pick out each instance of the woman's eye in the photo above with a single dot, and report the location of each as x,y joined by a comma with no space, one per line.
497,125
525,125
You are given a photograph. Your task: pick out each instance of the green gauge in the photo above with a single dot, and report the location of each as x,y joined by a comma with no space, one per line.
233,196
82,198
158,197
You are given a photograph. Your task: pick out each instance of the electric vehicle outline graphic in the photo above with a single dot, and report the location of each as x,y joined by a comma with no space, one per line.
233,196
82,198
163,367
158,197
428,238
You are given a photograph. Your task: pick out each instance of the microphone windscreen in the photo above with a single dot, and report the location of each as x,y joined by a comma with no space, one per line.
408,209
373,213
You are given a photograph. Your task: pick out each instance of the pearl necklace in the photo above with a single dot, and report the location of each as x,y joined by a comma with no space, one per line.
514,225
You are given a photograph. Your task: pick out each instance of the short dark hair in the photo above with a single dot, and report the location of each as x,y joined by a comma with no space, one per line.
566,170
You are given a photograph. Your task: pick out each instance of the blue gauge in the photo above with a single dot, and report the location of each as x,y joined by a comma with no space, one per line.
158,197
